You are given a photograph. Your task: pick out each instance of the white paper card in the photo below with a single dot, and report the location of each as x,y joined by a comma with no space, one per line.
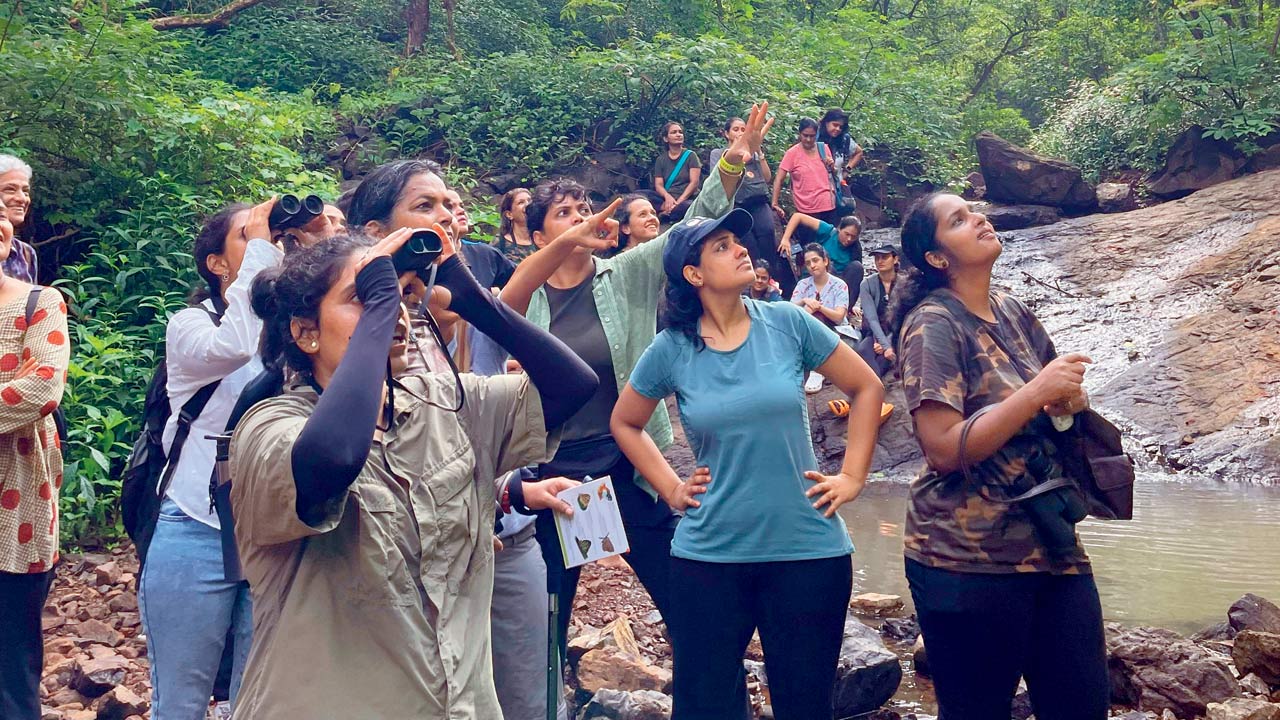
595,531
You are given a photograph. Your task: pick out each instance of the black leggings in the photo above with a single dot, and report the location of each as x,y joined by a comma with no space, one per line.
799,608
22,598
984,631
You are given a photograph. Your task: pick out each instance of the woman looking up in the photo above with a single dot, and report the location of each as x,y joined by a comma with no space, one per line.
753,197
996,601
760,546
186,602
605,310
513,232
364,503
637,223
677,172
811,190
33,364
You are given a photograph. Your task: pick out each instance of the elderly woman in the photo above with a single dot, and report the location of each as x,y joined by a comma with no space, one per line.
15,193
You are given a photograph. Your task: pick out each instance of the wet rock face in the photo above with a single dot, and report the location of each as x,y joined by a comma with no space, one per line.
867,674
1017,217
1258,653
1016,176
1252,612
1156,669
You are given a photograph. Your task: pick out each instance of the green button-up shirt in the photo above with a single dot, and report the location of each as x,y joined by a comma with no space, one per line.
626,288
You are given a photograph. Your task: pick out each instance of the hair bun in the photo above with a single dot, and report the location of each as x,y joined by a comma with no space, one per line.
262,294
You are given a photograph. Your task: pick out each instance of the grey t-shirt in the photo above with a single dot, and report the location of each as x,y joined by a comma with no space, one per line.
575,320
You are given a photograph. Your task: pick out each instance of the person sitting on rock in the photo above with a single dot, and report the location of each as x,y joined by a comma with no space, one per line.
763,288
638,223
677,173
842,242
760,546
998,598
824,296
875,348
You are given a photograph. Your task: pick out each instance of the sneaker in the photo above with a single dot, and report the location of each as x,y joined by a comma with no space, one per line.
219,711
814,383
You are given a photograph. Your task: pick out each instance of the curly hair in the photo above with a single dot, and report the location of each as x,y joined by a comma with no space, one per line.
917,277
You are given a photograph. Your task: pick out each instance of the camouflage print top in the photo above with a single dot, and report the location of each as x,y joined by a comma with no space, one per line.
955,361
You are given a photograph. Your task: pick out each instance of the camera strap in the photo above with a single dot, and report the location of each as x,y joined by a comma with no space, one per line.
424,313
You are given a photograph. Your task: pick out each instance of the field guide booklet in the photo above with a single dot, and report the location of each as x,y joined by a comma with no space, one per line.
595,531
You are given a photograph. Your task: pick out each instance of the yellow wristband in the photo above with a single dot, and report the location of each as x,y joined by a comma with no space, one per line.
729,167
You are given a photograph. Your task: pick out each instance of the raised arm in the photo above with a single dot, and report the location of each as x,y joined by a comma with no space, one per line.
598,232
797,219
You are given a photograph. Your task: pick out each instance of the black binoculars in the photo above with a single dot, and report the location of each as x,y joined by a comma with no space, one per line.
418,252
290,212
1054,514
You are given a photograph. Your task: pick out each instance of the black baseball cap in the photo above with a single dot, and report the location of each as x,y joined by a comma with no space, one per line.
885,249
692,231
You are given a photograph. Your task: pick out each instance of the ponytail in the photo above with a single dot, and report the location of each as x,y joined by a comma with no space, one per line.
918,278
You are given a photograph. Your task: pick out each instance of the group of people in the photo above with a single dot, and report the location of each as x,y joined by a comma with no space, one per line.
400,438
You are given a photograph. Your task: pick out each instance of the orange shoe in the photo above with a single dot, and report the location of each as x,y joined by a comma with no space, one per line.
839,408
886,409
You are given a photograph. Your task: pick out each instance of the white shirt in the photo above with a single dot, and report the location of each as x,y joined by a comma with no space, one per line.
199,352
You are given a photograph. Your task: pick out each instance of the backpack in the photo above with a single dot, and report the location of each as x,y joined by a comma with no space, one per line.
148,472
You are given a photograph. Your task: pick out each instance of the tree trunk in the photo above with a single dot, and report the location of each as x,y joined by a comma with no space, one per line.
417,16
218,18
450,39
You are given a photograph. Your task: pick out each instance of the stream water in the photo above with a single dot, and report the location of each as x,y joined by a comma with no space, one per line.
1192,548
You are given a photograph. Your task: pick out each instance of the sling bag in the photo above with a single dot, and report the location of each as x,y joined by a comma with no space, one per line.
684,156
844,204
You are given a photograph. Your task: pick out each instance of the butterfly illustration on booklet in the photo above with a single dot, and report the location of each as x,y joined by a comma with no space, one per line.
595,529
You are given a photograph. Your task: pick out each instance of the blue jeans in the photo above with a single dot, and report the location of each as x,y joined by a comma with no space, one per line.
187,608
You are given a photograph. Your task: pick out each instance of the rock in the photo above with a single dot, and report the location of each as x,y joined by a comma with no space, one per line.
1243,709
901,630
1017,217
1136,715
98,632
605,175
1258,653
1268,159
1195,162
1252,612
127,602
1018,176
120,703
975,186
1157,669
107,573
48,713
920,658
867,673
608,667
1021,708
67,696
80,715
1220,631
617,634
1251,684
875,604
1115,197
627,705
96,677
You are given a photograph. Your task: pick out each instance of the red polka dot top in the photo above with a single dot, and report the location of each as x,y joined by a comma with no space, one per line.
33,372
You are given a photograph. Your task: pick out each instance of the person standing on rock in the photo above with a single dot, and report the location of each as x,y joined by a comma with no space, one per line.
187,604
753,197
760,546
513,232
995,602
605,309
845,153
364,503
677,173
34,354
811,190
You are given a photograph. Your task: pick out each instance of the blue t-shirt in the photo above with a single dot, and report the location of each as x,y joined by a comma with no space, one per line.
746,417
841,256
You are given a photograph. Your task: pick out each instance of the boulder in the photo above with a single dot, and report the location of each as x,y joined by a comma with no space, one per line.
1115,197
875,604
617,634
608,667
1195,162
887,181
1252,612
975,186
1017,217
1243,709
96,677
1258,653
867,673
1016,176
1219,631
120,704
1251,684
627,705
901,630
1157,669
605,175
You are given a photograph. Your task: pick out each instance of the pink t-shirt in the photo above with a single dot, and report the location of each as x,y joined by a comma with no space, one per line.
810,181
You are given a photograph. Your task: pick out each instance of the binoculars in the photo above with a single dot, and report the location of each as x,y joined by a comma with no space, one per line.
290,212
418,252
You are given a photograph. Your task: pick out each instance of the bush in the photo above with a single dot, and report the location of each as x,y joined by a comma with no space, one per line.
1102,130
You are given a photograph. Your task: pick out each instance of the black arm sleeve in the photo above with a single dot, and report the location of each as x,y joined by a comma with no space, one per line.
335,441
549,362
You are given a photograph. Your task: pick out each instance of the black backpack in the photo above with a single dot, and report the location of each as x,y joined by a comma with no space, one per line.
149,471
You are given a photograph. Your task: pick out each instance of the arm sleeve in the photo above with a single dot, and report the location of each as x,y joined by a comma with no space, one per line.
817,341
563,380
27,399
1038,338
335,442
652,376
867,300
198,352
931,360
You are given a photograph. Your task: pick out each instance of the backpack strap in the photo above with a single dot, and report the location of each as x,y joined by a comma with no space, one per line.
33,301
684,156
191,410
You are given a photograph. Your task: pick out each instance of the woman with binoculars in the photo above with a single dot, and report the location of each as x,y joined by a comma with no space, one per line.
1003,589
187,604
364,502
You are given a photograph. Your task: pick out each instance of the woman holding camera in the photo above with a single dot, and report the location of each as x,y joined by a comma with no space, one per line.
187,604
364,504
998,598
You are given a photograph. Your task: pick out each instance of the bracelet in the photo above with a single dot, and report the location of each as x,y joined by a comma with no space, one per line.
505,502
729,168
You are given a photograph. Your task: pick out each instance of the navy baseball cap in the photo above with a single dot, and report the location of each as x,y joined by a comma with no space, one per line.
692,231
885,249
